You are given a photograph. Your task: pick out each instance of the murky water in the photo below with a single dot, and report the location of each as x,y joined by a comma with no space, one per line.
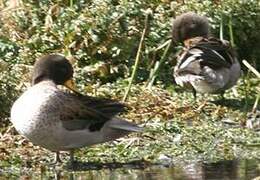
226,170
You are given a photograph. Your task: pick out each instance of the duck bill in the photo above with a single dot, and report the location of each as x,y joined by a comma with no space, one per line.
71,85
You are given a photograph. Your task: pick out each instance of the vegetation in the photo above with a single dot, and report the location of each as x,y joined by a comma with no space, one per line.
101,38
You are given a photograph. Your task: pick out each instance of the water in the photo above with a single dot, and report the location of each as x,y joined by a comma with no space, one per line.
226,170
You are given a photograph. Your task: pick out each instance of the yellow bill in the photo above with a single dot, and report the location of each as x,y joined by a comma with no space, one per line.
70,84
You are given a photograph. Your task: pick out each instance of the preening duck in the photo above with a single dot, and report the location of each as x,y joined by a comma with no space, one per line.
205,64
61,121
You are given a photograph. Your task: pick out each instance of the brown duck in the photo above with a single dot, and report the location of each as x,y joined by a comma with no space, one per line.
60,121
205,64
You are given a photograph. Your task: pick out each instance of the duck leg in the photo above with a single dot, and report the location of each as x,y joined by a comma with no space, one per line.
57,158
203,104
194,94
72,159
71,163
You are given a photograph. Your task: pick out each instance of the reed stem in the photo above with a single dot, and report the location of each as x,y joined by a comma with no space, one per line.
137,58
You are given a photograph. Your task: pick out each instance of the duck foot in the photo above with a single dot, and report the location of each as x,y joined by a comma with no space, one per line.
72,162
57,160
194,93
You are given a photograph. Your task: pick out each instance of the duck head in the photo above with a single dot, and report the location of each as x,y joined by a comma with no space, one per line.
55,68
189,25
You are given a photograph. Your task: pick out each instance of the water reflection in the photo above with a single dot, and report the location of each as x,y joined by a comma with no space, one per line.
227,170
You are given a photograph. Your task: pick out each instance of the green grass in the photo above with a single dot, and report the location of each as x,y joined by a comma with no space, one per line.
175,127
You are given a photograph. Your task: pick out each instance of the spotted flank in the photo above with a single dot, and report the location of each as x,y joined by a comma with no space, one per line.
60,121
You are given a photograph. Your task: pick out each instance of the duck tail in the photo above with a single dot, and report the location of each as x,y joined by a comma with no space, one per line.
189,25
120,124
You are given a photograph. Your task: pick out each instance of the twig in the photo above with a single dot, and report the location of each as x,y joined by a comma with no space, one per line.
231,34
154,72
256,103
116,20
251,68
71,3
13,6
159,47
137,58
221,28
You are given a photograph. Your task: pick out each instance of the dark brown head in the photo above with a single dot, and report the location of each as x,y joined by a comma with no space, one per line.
52,67
189,25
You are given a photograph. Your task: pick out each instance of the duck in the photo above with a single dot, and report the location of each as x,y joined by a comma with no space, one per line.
205,64
59,120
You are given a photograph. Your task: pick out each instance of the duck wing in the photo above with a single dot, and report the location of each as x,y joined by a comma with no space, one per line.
106,106
210,52
216,53
85,112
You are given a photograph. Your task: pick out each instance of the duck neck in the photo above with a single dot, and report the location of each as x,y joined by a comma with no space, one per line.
46,82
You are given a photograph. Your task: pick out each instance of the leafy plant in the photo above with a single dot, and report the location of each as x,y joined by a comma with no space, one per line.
102,37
